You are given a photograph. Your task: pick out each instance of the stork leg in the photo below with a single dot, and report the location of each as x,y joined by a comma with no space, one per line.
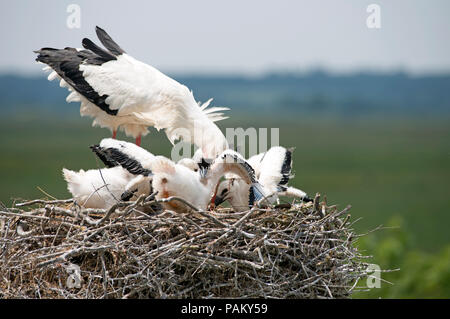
114,134
138,140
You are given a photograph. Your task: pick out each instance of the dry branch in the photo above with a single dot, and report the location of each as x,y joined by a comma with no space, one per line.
294,251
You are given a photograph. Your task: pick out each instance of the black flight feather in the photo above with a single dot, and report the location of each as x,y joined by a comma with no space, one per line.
286,168
106,160
89,45
66,63
251,197
109,43
113,157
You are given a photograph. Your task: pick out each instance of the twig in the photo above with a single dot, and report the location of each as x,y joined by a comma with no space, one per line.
41,201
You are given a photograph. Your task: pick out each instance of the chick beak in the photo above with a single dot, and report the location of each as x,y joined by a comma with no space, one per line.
220,199
126,196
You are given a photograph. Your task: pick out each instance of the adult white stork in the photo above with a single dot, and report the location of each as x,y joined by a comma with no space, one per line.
273,171
119,91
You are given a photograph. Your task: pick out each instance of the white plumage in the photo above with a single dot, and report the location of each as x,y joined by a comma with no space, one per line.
119,91
102,188
97,188
189,163
273,171
129,169
186,179
142,184
198,188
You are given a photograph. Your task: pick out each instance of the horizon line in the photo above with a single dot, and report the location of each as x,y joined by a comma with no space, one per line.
265,73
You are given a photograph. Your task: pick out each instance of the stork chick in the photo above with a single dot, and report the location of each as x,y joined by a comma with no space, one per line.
97,188
136,161
273,171
197,188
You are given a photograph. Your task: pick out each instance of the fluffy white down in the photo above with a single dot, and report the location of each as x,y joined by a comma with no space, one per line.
88,187
97,188
142,185
172,179
189,163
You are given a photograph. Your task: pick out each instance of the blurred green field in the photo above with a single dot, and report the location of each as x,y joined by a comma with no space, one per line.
391,170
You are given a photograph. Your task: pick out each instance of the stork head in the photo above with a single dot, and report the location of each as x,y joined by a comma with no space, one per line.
189,163
222,193
164,177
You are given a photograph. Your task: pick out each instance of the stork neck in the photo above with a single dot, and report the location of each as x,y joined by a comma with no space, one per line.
209,138
214,175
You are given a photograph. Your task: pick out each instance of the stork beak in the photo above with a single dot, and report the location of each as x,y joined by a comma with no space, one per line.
220,199
204,166
126,196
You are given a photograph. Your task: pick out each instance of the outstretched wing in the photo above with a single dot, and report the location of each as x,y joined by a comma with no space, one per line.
66,66
133,158
276,168
120,85
276,171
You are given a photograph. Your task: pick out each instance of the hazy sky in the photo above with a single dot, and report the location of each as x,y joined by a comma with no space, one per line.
239,36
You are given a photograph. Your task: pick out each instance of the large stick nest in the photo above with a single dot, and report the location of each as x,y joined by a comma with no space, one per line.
56,249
